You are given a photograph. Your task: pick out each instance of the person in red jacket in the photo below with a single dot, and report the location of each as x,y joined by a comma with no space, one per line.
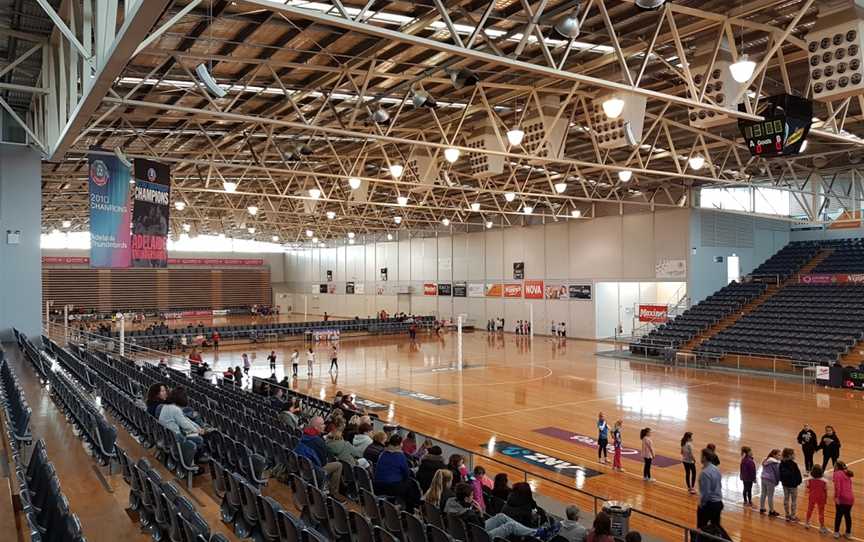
216,337
843,498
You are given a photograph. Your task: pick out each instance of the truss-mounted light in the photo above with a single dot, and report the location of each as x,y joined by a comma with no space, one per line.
251,229
396,170
331,215
209,82
397,219
67,224
649,5
489,224
568,27
509,196
350,241
445,221
560,187
186,227
354,183
315,240
351,235
613,106
421,98
625,175
252,210
179,205
743,69
451,154
402,201
380,115
475,206
229,186
275,238
462,78
389,236
310,233
527,209
576,213
697,162
314,193
515,137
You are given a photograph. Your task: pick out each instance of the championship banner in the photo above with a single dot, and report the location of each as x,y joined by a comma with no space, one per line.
653,313
556,291
109,212
494,290
533,289
150,214
476,289
513,290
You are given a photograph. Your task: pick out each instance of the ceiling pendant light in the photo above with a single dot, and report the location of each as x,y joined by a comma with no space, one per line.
515,137
315,240
451,154
229,186
314,193
560,187
568,27
389,236
421,98
251,229
67,223
697,161
509,196
743,69
354,183
331,215
309,233
648,5
351,235
527,209
576,213
253,210
402,200
322,245
186,227
625,175
613,107
475,206
179,205
396,170
275,238
380,116
489,224
397,219
350,241
445,221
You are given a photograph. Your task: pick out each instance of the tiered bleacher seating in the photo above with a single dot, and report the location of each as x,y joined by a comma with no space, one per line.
698,318
17,410
804,322
787,261
847,257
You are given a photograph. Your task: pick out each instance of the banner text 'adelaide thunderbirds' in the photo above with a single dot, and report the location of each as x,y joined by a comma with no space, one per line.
108,186
150,214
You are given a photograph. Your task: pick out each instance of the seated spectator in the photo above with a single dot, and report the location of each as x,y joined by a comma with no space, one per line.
285,382
429,465
156,396
163,365
409,444
363,438
290,416
602,530
278,399
337,401
195,358
571,529
313,447
272,378
441,489
522,507
238,376
348,403
393,475
374,450
456,464
172,417
344,451
499,526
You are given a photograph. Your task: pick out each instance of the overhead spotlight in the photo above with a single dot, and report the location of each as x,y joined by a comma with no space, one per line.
229,186
697,161
380,115
462,78
576,213
253,210
515,137
251,229
568,27
649,4
118,152
475,206
331,215
451,154
55,231
397,219
275,238
489,224
743,69
354,183
179,205
315,240
209,82
350,241
803,146
560,187
314,193
625,175
402,201
67,223
509,196
350,235
527,209
613,107
446,221
322,245
421,98
396,170
186,227
309,233
389,236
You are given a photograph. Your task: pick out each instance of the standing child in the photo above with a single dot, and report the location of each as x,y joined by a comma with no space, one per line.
790,478
770,479
689,462
617,443
272,359
295,361
310,361
246,364
817,496
334,359
647,452
843,498
748,474
602,439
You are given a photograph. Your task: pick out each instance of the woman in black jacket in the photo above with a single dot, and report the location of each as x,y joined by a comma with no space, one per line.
790,479
429,465
809,444
830,446
522,507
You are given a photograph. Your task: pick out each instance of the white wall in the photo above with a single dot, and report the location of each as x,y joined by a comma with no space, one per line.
614,248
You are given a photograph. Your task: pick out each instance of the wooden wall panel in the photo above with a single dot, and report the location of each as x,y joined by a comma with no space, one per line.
156,289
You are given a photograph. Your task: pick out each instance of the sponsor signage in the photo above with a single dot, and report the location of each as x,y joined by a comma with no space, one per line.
349,288
240,262
555,291
110,234
329,275
534,289
430,288
476,289
494,290
420,396
331,288
823,372
824,278
588,442
518,270
543,461
579,291
512,290
220,312
59,260
322,288
445,289
150,213
653,313
383,273
460,289
359,288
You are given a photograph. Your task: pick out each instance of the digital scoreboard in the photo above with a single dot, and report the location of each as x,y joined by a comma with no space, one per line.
785,128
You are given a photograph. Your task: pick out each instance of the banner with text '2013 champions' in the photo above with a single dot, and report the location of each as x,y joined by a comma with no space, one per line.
150,214
109,212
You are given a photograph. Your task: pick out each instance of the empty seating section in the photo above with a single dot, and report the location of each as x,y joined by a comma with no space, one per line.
804,322
788,260
698,318
14,404
847,256
275,331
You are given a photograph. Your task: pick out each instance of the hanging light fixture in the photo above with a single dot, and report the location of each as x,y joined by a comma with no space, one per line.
353,183
625,175
742,70
331,215
613,106
251,229
315,240
389,236
527,209
568,27
445,221
475,206
421,98
229,186
275,238
451,154
380,115
397,219
350,235
489,224
186,227
560,187
179,205
67,223
697,161
314,193
253,210
309,233
509,196
402,200
648,5
396,170
322,245
515,137
350,241
576,213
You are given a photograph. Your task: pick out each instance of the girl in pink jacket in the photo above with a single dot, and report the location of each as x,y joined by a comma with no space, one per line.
843,498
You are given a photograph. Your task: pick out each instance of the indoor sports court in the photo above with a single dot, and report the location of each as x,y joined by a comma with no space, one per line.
436,271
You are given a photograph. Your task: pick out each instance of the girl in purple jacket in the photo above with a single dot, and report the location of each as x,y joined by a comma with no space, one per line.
770,479
748,474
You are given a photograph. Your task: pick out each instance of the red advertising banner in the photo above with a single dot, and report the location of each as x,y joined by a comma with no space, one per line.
512,290
534,289
824,278
653,313
60,260
430,288
494,290
83,260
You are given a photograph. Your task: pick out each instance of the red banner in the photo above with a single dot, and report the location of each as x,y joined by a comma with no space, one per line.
824,278
512,290
653,313
534,289
61,260
430,288
83,260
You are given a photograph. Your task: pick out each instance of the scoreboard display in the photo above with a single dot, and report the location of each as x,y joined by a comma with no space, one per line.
784,130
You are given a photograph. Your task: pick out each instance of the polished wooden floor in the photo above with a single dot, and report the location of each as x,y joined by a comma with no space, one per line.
510,387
